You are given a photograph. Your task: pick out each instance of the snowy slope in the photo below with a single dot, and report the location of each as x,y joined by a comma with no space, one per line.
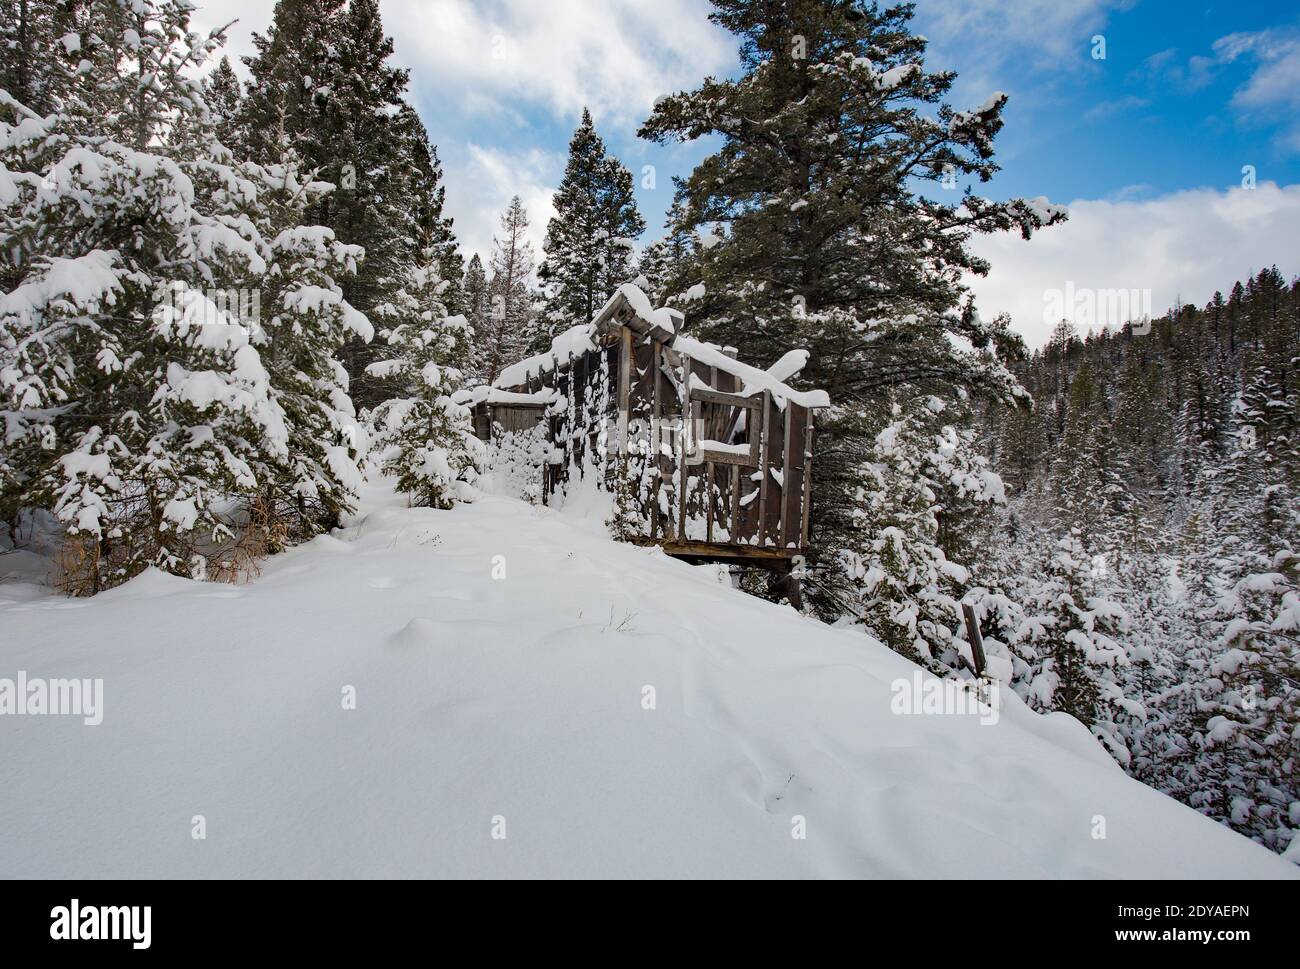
521,698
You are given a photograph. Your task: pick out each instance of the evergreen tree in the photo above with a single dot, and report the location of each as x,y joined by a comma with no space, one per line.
1071,628
474,289
923,482
506,332
323,86
818,235
224,97
39,45
433,229
588,248
139,399
668,265
425,440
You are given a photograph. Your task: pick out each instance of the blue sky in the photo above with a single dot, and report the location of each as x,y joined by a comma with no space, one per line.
1146,145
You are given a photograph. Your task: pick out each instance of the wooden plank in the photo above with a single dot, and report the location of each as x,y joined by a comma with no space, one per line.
762,468
776,558
787,471
807,477
654,457
795,475
682,469
733,525
706,454
718,397
708,494
973,634
624,388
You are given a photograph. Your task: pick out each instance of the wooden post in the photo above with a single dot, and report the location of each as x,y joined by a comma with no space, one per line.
653,459
624,389
708,492
973,634
734,525
784,540
708,471
684,471
762,469
807,479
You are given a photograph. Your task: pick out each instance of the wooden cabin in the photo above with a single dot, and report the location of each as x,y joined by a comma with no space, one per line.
706,456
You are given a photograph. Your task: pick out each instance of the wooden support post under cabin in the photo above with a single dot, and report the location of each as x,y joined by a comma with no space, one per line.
784,540
653,459
681,448
973,634
708,474
762,469
807,478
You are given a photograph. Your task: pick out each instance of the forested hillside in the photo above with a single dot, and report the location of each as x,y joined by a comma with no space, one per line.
1159,472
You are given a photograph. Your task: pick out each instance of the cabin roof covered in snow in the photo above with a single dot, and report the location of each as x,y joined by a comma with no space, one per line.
630,307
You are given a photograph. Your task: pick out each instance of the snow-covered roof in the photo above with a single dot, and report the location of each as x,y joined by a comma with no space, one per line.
574,341
630,307
492,395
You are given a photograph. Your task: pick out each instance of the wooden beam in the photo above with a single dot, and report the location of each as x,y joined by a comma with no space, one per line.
654,458
766,558
708,493
719,457
807,478
683,470
762,468
976,640
624,388
788,420
735,502
718,397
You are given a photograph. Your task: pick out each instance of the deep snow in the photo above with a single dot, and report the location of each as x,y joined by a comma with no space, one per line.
521,698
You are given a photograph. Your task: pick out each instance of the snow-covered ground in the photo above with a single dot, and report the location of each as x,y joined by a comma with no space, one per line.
517,705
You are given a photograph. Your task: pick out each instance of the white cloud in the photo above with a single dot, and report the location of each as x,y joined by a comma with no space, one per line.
996,40
498,64
1180,246
615,56
479,191
1272,95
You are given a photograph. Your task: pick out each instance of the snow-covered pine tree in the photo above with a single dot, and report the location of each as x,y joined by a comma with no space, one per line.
423,438
224,97
433,228
819,236
1072,628
288,105
311,485
323,86
507,327
669,265
923,481
139,403
474,287
34,63
589,243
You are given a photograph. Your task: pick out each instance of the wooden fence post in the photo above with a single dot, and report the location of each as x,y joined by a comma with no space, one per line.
973,634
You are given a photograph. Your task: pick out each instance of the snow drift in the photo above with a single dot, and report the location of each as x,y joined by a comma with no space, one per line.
532,699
